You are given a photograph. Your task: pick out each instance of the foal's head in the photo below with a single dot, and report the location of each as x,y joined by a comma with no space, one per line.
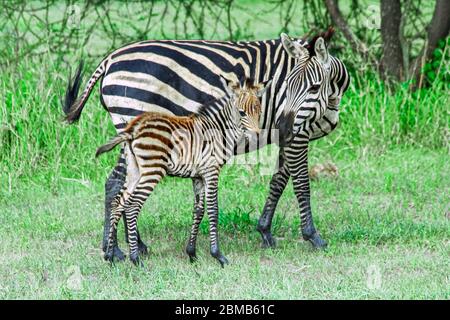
246,98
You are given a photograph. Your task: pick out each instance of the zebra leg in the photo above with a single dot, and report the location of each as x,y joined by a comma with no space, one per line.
133,207
277,185
211,184
297,160
197,216
133,175
142,247
116,212
113,186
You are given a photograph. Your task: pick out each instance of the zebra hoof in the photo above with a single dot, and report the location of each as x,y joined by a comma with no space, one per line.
136,261
215,252
268,241
118,254
114,254
222,260
191,252
317,241
142,248
109,256
193,259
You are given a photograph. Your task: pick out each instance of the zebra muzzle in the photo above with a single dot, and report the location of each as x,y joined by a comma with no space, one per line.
285,126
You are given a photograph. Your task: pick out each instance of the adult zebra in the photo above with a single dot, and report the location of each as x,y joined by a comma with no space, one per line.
166,75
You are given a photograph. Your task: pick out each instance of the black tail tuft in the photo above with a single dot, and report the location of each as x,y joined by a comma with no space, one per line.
122,137
70,105
103,149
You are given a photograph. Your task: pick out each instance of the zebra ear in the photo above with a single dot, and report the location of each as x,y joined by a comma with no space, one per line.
321,51
262,87
294,50
230,87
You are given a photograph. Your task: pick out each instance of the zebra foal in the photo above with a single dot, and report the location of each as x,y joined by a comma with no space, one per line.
195,147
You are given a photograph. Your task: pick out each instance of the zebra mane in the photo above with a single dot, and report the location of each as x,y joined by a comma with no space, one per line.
219,103
248,83
212,105
310,44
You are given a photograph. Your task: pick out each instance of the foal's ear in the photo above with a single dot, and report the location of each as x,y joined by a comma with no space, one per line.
262,87
294,49
231,88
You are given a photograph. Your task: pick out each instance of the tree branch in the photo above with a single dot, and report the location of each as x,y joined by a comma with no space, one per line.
438,29
339,21
391,27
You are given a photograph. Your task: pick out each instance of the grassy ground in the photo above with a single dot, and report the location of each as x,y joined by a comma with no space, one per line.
386,218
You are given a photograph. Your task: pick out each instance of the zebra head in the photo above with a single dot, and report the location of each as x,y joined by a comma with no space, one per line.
246,98
307,86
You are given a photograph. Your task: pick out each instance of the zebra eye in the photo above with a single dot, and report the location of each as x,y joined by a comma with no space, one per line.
242,113
314,88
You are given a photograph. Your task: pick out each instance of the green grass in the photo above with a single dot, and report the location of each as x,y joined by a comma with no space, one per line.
31,124
386,211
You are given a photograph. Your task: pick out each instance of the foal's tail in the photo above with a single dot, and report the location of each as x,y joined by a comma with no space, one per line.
121,137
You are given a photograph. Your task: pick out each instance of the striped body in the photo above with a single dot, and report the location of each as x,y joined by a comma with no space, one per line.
176,77
307,97
195,146
179,76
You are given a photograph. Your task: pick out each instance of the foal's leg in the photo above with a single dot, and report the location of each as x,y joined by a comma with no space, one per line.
142,247
211,184
118,203
113,186
197,216
133,206
133,172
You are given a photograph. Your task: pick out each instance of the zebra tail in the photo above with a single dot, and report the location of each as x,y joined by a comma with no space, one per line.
72,105
121,137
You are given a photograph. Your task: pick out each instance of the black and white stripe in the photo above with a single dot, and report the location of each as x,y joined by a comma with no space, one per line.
176,77
193,147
